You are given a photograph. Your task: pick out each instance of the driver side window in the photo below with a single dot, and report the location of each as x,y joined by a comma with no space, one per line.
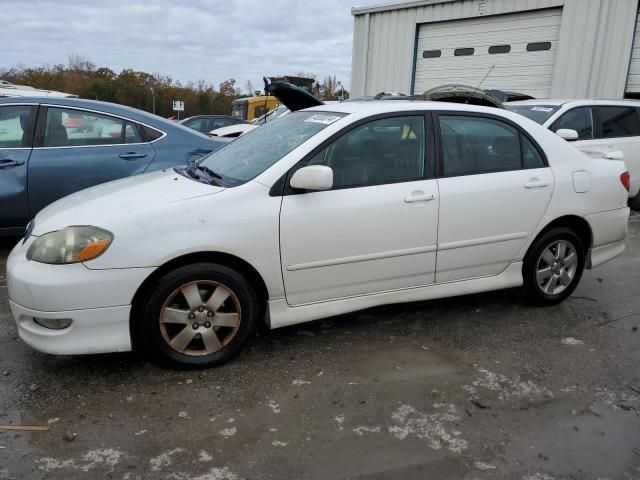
579,119
389,150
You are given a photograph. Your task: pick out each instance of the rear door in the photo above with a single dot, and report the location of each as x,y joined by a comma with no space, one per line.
76,149
17,124
494,188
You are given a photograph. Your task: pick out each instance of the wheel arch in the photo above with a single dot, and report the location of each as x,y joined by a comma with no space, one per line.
221,258
576,223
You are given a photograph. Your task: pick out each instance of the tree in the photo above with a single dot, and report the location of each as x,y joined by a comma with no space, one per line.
228,88
329,87
249,88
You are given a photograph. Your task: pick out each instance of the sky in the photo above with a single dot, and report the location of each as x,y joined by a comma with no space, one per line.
188,40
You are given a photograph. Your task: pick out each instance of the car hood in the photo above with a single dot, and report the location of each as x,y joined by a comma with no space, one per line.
105,204
291,96
462,94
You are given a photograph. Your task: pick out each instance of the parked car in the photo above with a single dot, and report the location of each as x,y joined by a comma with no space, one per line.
52,147
206,123
601,128
292,98
321,212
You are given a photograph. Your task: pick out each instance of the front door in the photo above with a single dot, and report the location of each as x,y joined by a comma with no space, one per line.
17,123
376,230
494,188
80,149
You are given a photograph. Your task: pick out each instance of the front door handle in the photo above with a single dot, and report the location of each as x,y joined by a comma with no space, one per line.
132,155
536,183
10,163
419,197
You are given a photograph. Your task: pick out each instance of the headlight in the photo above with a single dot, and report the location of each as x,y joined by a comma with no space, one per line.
70,245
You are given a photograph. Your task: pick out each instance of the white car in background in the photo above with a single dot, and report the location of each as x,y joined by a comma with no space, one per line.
321,212
600,128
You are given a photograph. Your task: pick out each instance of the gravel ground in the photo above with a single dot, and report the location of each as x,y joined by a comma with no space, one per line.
476,387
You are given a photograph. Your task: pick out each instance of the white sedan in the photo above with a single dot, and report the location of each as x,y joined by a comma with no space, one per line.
324,211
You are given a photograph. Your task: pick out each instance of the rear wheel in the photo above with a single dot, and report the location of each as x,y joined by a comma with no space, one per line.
199,315
553,267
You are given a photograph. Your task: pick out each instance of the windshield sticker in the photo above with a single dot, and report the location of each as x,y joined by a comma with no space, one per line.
542,109
320,118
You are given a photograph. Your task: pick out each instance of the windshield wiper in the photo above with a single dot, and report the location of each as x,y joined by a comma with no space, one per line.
191,172
208,171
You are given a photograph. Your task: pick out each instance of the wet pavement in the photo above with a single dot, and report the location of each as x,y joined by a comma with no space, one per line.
476,387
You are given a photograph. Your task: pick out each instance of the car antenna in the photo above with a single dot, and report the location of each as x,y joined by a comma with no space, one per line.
481,82
267,92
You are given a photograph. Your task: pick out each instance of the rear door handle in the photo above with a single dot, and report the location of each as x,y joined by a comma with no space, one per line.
419,197
132,155
10,163
536,183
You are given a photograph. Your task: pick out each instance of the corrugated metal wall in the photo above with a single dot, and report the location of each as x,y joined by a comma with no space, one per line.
593,53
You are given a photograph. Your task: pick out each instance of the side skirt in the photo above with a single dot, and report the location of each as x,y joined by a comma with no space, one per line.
281,314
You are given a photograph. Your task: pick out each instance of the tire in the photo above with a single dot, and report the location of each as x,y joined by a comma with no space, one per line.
208,314
634,203
547,283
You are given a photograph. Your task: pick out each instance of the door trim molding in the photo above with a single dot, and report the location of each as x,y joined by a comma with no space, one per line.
362,258
483,241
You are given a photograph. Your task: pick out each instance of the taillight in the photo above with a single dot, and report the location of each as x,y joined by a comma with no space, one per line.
625,178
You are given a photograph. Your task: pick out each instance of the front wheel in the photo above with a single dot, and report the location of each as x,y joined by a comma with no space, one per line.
198,315
553,267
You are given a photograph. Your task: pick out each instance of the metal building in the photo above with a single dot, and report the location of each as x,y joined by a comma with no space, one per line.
545,48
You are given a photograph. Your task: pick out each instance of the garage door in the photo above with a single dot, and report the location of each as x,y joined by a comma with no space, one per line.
522,46
633,80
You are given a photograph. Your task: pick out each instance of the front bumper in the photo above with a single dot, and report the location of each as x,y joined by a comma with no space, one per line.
96,330
97,302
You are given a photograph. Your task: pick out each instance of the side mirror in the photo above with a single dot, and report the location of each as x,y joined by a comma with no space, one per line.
312,177
615,155
567,134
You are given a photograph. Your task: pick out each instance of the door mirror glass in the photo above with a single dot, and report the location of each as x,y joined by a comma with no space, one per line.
313,177
568,134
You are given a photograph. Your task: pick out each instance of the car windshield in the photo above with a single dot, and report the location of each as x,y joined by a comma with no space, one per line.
270,115
537,113
252,153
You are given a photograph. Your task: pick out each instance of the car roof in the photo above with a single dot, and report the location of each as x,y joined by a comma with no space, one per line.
107,107
577,101
542,101
384,106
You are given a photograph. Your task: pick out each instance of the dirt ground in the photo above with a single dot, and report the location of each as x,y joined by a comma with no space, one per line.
476,387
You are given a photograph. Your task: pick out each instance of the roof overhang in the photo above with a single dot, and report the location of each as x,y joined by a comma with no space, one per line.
395,6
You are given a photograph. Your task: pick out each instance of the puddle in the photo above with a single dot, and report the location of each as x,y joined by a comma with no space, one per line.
402,364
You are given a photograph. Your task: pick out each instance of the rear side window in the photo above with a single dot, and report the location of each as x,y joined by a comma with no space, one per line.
16,126
476,145
579,119
151,133
618,122
79,128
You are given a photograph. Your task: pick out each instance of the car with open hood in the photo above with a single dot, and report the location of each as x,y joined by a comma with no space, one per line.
323,211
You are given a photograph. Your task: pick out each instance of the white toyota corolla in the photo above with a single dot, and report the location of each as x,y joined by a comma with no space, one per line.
321,212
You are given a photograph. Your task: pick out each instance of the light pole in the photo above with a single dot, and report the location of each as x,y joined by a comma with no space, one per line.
153,99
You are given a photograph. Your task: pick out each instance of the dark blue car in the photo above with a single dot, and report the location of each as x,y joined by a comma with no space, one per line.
51,147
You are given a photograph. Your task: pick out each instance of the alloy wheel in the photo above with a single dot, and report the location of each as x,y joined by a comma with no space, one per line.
200,318
556,267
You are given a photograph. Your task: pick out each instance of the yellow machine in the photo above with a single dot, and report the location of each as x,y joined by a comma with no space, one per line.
252,107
